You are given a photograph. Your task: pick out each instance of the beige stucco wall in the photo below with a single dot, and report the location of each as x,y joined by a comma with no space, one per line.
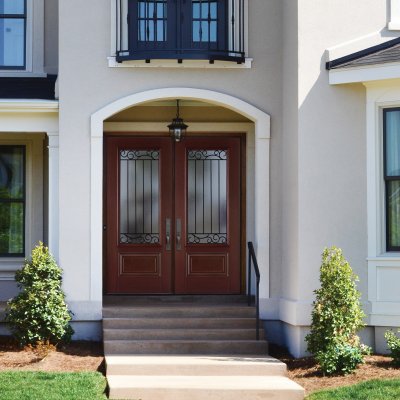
318,141
86,84
325,149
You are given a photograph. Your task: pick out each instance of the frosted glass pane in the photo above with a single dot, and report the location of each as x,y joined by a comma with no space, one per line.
139,196
207,196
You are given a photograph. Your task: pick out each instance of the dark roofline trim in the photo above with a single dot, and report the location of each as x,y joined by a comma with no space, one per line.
362,53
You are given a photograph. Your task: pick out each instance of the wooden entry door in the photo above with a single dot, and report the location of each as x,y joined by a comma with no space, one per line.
172,215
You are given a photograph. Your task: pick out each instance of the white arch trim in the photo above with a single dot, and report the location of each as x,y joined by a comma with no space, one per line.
261,205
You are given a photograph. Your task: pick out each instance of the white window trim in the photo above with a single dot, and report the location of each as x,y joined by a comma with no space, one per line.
384,310
34,51
199,64
33,198
394,23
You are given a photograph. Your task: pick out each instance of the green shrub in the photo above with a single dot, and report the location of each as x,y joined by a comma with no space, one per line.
39,314
393,343
336,316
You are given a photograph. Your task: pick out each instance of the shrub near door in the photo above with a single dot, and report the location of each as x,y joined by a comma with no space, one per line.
336,317
39,314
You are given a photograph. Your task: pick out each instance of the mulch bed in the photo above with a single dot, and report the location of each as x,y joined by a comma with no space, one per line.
305,372
88,356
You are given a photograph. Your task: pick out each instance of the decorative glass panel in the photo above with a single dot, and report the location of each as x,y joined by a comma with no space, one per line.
12,199
393,193
207,196
393,143
139,196
152,21
204,15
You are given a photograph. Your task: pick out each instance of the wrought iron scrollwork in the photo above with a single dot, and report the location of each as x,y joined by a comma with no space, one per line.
139,238
207,238
207,155
139,155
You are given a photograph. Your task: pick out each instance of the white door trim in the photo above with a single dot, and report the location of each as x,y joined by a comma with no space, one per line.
261,179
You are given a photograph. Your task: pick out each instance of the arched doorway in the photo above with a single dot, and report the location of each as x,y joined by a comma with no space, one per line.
219,260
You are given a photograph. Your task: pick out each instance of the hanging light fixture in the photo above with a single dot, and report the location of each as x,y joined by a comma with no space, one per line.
177,128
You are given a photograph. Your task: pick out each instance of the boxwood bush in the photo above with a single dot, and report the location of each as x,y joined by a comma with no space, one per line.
337,316
39,314
393,343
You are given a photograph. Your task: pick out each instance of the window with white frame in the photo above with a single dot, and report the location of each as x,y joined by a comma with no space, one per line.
391,168
12,34
12,200
22,38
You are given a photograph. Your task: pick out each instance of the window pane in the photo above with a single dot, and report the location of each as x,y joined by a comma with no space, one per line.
393,193
12,42
207,196
12,6
11,172
139,196
11,228
393,143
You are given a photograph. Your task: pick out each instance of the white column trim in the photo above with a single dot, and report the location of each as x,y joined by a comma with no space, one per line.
262,160
53,199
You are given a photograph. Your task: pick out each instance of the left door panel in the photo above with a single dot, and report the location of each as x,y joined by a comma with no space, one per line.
138,200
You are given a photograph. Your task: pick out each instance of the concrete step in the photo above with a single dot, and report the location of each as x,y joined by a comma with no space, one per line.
173,299
180,311
186,347
185,334
179,323
194,365
203,387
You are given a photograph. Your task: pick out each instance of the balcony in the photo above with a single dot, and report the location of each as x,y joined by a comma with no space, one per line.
212,30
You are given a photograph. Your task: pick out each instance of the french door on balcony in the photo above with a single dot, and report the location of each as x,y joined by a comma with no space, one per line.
177,28
172,215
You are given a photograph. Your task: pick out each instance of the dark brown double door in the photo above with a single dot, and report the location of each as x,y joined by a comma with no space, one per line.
172,215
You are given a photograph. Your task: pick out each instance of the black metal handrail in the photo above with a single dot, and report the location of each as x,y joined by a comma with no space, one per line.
253,261
169,35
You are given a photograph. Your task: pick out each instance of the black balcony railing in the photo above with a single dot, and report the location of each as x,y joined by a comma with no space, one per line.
180,29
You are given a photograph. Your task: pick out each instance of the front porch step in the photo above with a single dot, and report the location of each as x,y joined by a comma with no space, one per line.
181,334
179,311
179,323
230,365
185,347
203,387
189,347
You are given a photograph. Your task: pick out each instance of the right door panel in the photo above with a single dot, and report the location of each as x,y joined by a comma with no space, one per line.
207,212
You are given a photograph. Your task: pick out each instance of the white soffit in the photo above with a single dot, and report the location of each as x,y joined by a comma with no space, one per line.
377,72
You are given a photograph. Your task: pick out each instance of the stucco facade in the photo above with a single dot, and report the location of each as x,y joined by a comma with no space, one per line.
308,155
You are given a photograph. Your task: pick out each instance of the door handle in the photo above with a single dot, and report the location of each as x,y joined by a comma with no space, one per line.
178,234
168,234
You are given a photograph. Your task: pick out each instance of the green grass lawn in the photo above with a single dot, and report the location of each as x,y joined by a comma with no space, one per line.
388,389
15,385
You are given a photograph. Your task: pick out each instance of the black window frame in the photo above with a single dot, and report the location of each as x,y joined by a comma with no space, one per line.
23,201
179,42
17,16
388,178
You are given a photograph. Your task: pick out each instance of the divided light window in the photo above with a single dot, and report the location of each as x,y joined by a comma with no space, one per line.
12,34
180,29
12,201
